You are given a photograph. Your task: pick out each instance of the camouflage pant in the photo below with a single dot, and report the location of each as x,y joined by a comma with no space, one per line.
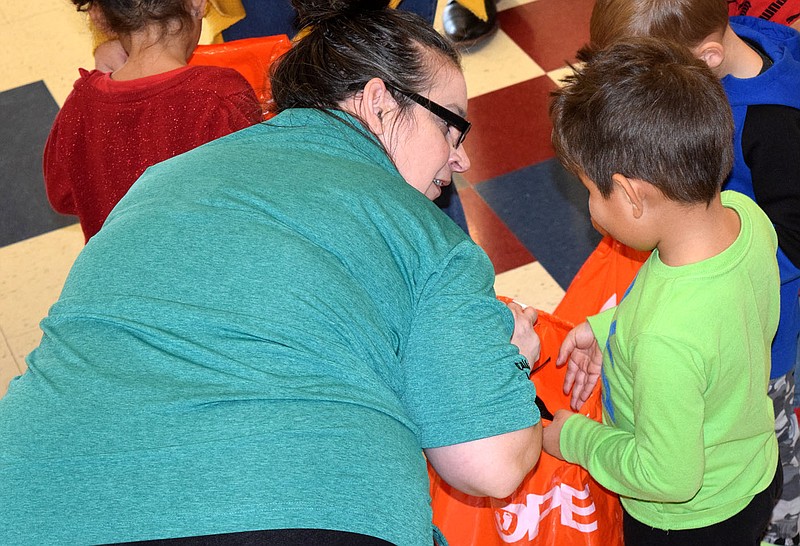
787,511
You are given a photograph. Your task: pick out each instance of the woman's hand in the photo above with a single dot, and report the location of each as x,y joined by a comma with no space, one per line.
524,337
584,360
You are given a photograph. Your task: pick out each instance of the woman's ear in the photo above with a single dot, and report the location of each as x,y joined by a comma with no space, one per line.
375,105
633,190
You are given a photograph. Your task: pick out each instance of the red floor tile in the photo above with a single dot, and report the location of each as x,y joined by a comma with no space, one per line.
550,31
510,129
493,236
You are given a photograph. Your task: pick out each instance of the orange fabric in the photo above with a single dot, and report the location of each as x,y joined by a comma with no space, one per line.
558,503
251,57
601,281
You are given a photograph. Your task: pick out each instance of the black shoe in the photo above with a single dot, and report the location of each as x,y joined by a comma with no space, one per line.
464,28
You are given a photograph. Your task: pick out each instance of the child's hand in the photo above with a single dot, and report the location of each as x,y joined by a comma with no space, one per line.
524,337
584,360
551,435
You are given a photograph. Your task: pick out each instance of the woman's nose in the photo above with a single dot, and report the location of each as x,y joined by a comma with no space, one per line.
459,160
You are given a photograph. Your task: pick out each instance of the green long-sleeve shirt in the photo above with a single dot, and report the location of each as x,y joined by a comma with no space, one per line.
688,436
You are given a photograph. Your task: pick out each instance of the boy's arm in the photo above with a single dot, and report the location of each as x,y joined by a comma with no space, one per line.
771,148
667,400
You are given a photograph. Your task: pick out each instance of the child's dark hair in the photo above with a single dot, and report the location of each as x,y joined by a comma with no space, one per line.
687,22
126,16
349,42
646,109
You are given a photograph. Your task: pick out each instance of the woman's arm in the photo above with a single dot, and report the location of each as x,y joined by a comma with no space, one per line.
495,466
489,467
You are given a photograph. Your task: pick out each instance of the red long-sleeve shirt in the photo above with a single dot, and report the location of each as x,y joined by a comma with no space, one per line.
108,132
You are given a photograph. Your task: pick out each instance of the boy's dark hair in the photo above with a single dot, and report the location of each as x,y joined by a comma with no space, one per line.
686,22
350,42
646,109
126,16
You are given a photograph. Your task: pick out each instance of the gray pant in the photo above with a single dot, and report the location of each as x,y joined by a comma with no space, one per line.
784,524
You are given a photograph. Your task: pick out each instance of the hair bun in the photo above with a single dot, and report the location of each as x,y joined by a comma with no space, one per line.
315,12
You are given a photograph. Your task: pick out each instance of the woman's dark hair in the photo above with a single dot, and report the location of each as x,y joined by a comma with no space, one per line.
345,43
126,16
646,109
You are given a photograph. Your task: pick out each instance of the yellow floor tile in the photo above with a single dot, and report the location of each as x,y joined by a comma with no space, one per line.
8,366
558,75
32,273
21,345
20,10
498,64
74,50
531,285
508,4
48,46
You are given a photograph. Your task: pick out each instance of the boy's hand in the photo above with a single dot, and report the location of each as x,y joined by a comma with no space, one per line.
551,435
584,360
524,337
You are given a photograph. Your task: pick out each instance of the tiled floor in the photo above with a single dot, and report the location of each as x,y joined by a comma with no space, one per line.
522,208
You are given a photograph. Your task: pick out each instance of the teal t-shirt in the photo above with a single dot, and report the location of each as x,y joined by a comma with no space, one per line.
689,433
265,334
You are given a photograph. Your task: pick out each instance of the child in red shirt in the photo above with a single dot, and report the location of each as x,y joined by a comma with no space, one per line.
114,125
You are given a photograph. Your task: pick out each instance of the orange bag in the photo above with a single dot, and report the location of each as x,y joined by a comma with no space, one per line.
251,57
601,281
558,503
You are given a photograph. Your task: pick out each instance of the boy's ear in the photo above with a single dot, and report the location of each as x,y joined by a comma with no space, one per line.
376,101
710,52
633,190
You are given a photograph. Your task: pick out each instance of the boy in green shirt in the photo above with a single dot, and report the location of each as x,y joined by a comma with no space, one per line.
687,438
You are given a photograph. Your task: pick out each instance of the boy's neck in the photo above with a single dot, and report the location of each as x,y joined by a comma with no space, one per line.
740,60
693,233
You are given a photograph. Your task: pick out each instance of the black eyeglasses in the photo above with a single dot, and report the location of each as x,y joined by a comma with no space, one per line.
448,116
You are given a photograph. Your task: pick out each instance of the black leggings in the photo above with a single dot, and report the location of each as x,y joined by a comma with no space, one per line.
277,537
743,529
